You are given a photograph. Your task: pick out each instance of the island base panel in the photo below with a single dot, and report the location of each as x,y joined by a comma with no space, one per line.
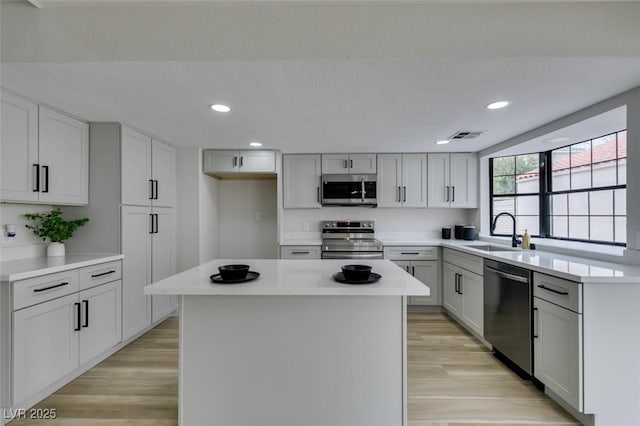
292,360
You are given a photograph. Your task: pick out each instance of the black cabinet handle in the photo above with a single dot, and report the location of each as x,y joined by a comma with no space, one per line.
157,226
86,313
102,274
410,252
38,290
150,223
36,167
151,189
156,196
447,190
562,293
413,271
404,190
535,334
455,286
453,194
460,282
235,161
241,161
351,164
318,191
78,313
300,252
46,179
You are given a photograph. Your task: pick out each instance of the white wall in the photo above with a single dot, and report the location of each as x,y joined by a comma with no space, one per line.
247,212
187,210
209,221
25,244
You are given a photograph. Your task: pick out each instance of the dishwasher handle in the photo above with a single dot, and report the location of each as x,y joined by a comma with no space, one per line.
512,277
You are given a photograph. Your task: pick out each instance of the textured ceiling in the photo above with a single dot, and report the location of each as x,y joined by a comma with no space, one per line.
318,77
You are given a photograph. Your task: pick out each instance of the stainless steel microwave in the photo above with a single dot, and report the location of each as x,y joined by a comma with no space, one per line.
349,190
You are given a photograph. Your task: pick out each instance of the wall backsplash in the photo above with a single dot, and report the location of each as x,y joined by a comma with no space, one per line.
25,243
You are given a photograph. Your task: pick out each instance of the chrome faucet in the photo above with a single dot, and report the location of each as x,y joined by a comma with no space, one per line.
514,238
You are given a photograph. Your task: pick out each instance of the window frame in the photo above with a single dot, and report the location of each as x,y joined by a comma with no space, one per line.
545,192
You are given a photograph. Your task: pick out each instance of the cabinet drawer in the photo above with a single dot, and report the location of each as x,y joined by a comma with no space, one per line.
466,261
40,289
300,252
91,276
411,253
567,294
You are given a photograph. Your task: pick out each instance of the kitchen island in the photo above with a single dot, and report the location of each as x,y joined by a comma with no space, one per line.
293,347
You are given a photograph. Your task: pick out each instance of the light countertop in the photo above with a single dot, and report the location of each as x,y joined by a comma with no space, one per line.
295,277
20,269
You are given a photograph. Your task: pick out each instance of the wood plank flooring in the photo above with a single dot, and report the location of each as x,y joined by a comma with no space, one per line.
453,380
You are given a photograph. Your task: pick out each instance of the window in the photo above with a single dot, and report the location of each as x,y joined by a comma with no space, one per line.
577,192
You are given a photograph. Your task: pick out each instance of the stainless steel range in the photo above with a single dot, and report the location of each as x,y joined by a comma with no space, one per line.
347,239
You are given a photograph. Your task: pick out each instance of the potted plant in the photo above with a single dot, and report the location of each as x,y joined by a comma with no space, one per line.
51,226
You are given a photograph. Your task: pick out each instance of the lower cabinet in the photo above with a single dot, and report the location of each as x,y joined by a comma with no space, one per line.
53,338
421,262
300,252
464,295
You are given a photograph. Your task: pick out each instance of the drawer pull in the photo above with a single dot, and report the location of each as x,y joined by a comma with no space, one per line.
38,290
300,252
563,293
102,274
410,252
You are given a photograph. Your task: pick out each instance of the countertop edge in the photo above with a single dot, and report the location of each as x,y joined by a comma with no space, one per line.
33,273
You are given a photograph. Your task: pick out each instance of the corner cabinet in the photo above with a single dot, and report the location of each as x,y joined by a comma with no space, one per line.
452,180
301,181
402,180
463,288
44,154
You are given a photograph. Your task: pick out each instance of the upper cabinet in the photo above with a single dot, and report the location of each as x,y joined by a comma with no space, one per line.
452,180
45,154
148,170
402,180
348,163
301,181
221,162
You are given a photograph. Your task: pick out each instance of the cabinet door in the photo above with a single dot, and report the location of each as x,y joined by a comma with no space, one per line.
464,180
163,172
439,191
136,168
557,356
335,164
389,180
451,299
414,180
258,161
136,269
472,289
404,264
18,149
221,161
362,163
163,262
45,345
101,319
426,272
301,181
63,154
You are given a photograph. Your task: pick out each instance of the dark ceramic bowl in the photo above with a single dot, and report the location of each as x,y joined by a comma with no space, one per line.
356,272
233,272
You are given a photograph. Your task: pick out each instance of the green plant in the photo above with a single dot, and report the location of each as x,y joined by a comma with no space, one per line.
52,226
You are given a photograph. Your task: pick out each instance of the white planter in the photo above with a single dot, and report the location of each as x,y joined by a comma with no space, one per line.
55,249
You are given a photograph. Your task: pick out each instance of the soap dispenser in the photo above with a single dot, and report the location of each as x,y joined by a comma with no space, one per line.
526,240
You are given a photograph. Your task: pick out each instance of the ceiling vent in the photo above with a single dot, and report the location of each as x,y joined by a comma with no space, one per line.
464,134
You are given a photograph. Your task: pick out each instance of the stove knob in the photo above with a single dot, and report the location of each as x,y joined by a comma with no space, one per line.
334,224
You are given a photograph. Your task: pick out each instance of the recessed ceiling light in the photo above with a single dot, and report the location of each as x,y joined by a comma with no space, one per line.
442,142
256,144
220,108
557,140
498,105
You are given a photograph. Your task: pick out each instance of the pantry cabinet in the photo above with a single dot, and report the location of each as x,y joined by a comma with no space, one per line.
44,154
301,181
348,163
402,180
453,180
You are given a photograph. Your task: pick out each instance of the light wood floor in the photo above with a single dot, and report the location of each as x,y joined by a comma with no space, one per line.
453,380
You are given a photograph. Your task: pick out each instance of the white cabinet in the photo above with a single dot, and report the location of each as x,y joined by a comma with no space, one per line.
402,180
464,288
45,154
422,263
18,149
300,252
148,170
452,180
163,258
348,163
257,161
301,181
557,337
137,225
54,335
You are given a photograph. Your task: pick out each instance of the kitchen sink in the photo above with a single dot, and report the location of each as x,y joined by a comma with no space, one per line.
490,247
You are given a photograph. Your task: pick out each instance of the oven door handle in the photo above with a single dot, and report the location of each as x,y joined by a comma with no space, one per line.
342,255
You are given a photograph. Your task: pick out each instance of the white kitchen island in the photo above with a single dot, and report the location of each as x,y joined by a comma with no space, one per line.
293,347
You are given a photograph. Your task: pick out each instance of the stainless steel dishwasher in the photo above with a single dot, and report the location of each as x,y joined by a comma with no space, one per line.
507,314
